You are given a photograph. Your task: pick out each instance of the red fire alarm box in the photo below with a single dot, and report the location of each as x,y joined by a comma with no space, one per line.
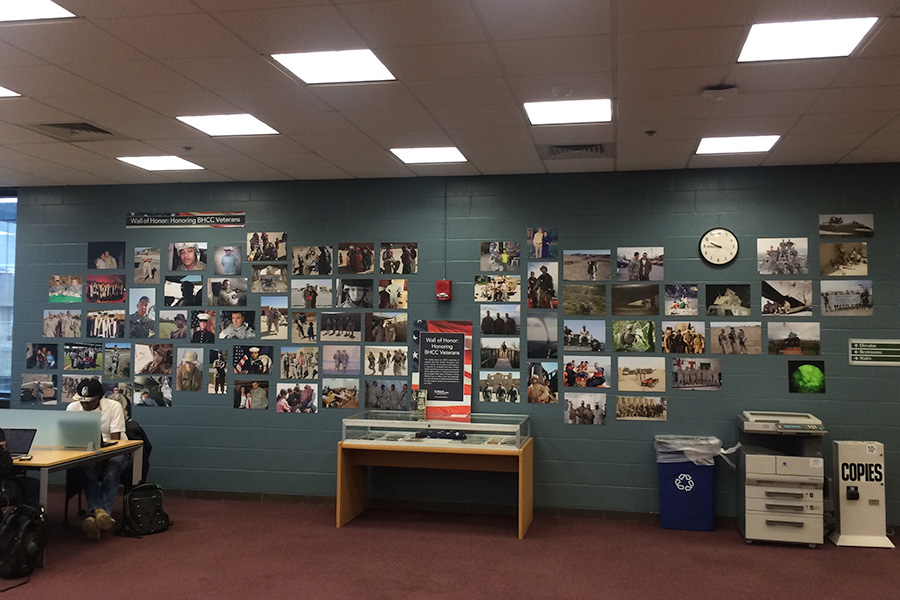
442,289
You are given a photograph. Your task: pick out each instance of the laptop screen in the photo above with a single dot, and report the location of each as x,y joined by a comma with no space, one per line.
18,441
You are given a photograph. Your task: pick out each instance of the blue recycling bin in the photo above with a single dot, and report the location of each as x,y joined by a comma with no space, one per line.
687,481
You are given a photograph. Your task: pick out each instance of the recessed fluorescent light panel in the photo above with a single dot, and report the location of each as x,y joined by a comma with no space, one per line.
737,145
160,163
6,93
561,112
417,156
221,125
31,10
343,66
804,39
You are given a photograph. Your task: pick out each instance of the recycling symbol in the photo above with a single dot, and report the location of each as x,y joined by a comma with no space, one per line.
684,482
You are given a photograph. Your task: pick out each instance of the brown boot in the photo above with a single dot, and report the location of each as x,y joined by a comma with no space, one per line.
91,530
104,521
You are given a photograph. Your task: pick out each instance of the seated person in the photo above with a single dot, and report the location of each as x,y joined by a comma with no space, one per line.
15,490
100,479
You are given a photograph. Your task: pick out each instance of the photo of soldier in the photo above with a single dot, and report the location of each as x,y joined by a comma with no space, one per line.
681,299
271,279
266,246
498,288
584,299
399,258
728,300
304,327
183,290
702,374
153,359
41,356
499,386
38,390
640,408
385,361
189,372
146,264
105,289
500,319
354,293
584,409
340,326
218,371
500,353
238,325
642,374
340,393
587,371
121,393
795,338
106,324
173,325
541,284
70,385
301,398
584,335
640,263
82,357
106,255
187,256
311,260
844,259
152,391
543,336
633,336
253,360
203,326
542,242
340,360
387,327
847,298
387,394
542,383
227,260
311,293
686,337
227,291
62,324
786,298
299,362
356,258
740,337
251,394
586,265
117,363
142,313
500,256
782,256
635,299
393,294
65,288
273,320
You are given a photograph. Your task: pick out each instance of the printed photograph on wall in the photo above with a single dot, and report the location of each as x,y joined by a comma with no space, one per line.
184,290
584,335
270,279
354,293
542,242
393,294
498,288
189,372
299,362
633,336
341,326
806,376
41,356
82,357
728,300
304,327
273,320
118,361
106,324
70,384
500,319
266,246
500,353
543,336
227,291
499,386
152,391
121,393
105,289
311,293
399,258
237,325
782,256
740,337
356,258
587,371
187,256
643,374
702,374
385,359
794,338
251,394
500,256
227,260
300,398
173,324
681,299
843,259
640,408
340,393
153,359
311,260
635,299
387,394
541,284
640,263
387,327
543,383
586,265
584,299
38,390
65,288
218,371
685,337
106,255
142,313
252,360
584,409
847,226
62,323
146,264
203,326
787,298
847,298
340,360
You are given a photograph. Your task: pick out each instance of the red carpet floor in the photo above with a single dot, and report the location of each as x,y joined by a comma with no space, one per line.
273,549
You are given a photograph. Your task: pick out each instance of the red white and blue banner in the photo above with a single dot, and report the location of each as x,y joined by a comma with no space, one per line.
235,218
442,365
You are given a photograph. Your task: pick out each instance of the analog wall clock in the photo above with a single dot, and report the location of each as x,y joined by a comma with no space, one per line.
718,246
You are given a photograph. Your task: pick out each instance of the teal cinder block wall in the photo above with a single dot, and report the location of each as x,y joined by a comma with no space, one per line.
202,443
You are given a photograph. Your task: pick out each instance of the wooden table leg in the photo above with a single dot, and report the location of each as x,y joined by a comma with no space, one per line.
351,487
526,491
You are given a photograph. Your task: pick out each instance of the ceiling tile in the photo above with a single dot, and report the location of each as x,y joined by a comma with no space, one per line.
299,124
573,134
365,96
101,107
173,104
11,56
667,82
462,92
652,15
724,161
45,80
494,115
26,111
663,129
266,101
580,165
767,125
134,77
862,99
201,145
776,11
391,119
59,152
151,129
268,144
886,41
112,149
533,88
509,167
414,22
450,61
813,149
678,48
556,55
866,122
491,136
98,9
478,154
69,41
786,75
234,72
13,134
527,19
447,170
870,72
677,151
654,109
764,103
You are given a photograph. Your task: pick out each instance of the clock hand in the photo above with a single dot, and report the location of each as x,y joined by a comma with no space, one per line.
715,244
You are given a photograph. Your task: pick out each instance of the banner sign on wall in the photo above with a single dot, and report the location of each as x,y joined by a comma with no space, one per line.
234,218
879,353
442,365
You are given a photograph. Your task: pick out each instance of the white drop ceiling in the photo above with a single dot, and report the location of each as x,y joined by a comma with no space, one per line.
463,68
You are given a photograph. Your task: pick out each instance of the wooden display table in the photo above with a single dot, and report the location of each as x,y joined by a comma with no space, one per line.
354,456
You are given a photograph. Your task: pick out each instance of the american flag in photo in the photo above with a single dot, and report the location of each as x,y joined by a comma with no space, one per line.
239,365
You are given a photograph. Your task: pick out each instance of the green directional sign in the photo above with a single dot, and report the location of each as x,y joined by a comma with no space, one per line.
878,353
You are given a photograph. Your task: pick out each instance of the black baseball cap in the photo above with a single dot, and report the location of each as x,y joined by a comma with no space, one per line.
89,389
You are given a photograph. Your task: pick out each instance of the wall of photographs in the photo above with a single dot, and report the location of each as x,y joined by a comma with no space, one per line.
592,304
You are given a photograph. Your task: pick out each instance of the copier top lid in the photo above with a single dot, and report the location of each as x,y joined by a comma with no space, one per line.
784,418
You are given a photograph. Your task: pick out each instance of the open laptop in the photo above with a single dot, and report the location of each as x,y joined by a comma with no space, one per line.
18,441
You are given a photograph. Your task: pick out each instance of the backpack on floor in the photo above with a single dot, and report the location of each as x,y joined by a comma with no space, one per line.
23,535
143,511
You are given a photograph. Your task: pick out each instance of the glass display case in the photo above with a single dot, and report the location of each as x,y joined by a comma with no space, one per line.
393,427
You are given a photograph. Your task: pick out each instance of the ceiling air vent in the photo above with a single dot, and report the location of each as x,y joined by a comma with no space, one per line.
74,132
561,152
